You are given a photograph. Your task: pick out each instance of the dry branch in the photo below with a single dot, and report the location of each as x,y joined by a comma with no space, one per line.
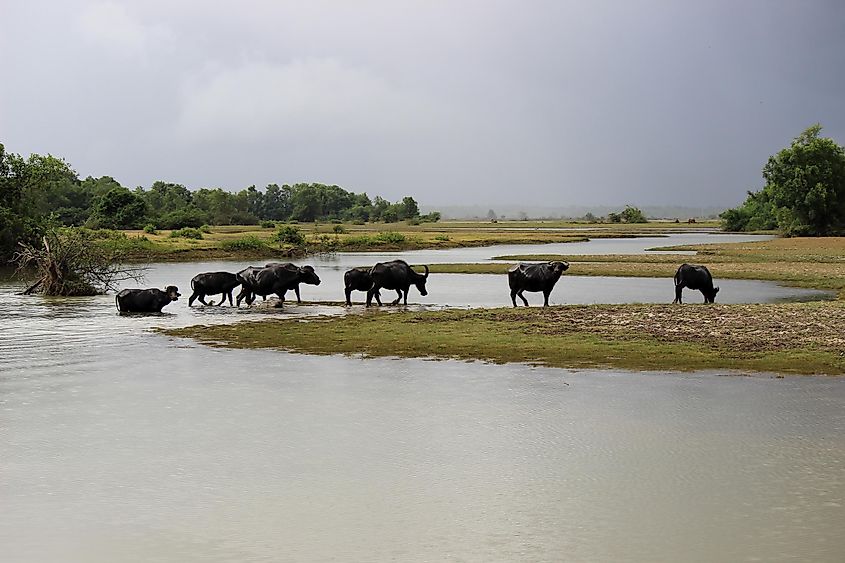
70,262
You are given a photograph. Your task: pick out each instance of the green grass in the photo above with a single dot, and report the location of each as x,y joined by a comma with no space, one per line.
784,338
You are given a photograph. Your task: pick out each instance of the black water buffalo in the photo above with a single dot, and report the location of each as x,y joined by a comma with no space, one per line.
212,283
145,300
535,277
275,278
396,275
358,279
695,277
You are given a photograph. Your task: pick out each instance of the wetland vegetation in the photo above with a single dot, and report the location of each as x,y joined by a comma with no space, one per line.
799,338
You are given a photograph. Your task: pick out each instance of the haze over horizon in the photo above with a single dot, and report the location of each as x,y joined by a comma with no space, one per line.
456,103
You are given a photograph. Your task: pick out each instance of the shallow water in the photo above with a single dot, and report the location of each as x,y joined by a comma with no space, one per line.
156,450
117,444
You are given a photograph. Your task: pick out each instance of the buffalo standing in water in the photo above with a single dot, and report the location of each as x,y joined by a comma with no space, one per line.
535,277
356,279
275,278
396,275
212,283
695,277
145,300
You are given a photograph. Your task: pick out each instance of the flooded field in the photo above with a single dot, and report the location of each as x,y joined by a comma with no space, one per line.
118,444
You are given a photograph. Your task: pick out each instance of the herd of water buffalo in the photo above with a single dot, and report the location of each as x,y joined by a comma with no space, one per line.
278,278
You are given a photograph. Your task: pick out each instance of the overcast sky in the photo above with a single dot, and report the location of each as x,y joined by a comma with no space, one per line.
454,102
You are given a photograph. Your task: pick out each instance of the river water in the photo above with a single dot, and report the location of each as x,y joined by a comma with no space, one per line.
118,444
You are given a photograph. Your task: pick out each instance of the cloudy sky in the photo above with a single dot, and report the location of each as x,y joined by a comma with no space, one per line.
454,102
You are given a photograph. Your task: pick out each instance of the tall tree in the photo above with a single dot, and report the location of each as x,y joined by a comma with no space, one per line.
119,208
804,191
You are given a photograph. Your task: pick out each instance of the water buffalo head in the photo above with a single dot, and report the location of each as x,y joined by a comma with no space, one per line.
710,297
309,275
559,267
420,280
172,292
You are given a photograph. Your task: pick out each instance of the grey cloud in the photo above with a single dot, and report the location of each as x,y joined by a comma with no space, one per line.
558,103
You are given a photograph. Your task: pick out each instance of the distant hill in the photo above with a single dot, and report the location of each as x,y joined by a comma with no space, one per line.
567,212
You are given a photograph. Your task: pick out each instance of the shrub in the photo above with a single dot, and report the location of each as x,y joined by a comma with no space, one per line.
187,232
434,217
205,229
326,241
390,238
444,238
288,234
246,243
267,224
150,229
339,229
186,217
413,221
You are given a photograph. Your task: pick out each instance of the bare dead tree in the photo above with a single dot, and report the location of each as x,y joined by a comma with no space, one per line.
71,262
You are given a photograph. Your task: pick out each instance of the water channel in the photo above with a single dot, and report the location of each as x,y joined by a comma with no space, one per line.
119,444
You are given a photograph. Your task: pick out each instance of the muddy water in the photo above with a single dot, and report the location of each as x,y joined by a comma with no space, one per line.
117,444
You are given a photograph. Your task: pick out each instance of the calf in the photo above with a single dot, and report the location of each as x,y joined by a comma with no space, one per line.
695,277
212,283
358,279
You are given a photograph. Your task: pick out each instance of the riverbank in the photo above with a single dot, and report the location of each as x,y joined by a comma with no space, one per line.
795,338
243,242
817,263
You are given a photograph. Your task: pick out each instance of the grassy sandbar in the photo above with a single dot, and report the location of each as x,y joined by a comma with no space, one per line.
799,338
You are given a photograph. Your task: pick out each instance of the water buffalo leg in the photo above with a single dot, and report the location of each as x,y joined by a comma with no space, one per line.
191,298
406,295
513,297
229,295
373,292
348,292
296,290
678,289
521,296
546,297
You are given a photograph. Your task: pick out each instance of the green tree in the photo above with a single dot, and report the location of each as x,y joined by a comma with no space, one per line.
633,215
408,209
277,205
804,192
119,208
25,202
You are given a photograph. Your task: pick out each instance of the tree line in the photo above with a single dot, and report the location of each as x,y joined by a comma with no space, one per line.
804,194
40,189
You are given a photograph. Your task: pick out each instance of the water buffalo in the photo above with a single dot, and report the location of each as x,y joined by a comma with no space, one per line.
145,300
212,283
358,279
396,275
275,278
695,277
535,277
